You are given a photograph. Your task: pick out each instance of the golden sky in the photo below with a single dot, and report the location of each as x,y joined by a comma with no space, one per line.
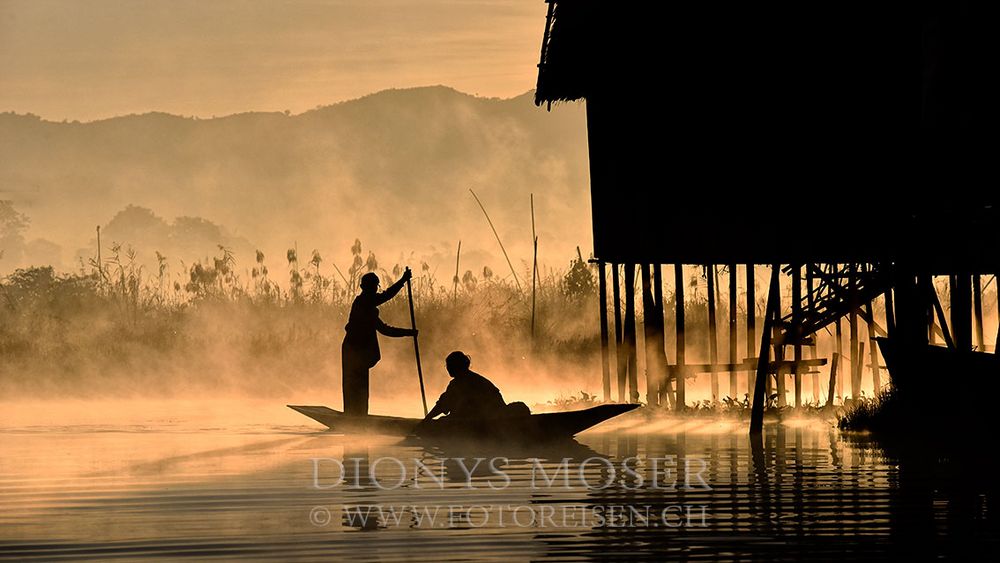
89,59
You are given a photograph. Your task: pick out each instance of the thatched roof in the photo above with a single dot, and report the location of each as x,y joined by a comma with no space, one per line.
563,73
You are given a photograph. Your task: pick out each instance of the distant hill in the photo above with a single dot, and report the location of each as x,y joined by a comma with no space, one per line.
392,168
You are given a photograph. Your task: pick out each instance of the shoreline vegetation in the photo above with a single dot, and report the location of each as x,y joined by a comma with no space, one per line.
119,327
116,326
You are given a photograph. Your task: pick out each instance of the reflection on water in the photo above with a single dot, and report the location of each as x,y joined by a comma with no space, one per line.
157,487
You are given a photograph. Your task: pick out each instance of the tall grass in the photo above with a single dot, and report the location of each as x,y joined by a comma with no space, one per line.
117,327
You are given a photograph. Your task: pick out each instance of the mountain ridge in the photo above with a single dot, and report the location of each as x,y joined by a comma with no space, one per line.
392,168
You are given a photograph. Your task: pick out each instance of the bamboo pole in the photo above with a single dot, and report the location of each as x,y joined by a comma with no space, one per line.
649,338
733,391
977,310
751,322
961,311
679,402
852,284
796,327
713,336
873,351
665,388
630,337
813,348
621,355
416,345
495,234
757,410
831,390
602,289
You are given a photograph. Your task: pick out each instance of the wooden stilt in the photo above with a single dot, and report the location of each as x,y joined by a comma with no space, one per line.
621,355
713,334
751,323
811,304
939,311
796,325
840,352
928,283
831,390
679,401
861,364
977,311
666,389
852,284
961,311
733,390
602,290
649,339
780,382
771,312
630,341
873,352
890,314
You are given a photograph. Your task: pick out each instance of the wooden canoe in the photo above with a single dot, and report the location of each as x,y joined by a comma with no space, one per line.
535,427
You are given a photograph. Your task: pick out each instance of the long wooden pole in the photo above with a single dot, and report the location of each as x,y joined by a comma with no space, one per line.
832,389
629,334
713,334
605,354
733,391
751,323
416,346
757,410
679,336
977,311
649,330
797,327
621,356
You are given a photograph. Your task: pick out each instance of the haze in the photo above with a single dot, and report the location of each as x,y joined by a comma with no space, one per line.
64,59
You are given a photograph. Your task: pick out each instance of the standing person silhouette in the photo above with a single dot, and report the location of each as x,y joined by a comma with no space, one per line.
360,351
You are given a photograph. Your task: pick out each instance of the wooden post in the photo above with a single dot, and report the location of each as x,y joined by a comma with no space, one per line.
861,363
621,355
840,352
733,391
796,328
977,310
779,353
713,335
939,311
630,341
416,345
890,314
873,351
679,331
811,303
666,389
961,311
751,323
852,285
928,282
833,379
602,290
757,410
649,339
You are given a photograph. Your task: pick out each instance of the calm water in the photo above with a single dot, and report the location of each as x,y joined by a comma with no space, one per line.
175,481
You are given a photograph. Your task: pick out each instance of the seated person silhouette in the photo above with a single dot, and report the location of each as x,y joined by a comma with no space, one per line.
470,395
